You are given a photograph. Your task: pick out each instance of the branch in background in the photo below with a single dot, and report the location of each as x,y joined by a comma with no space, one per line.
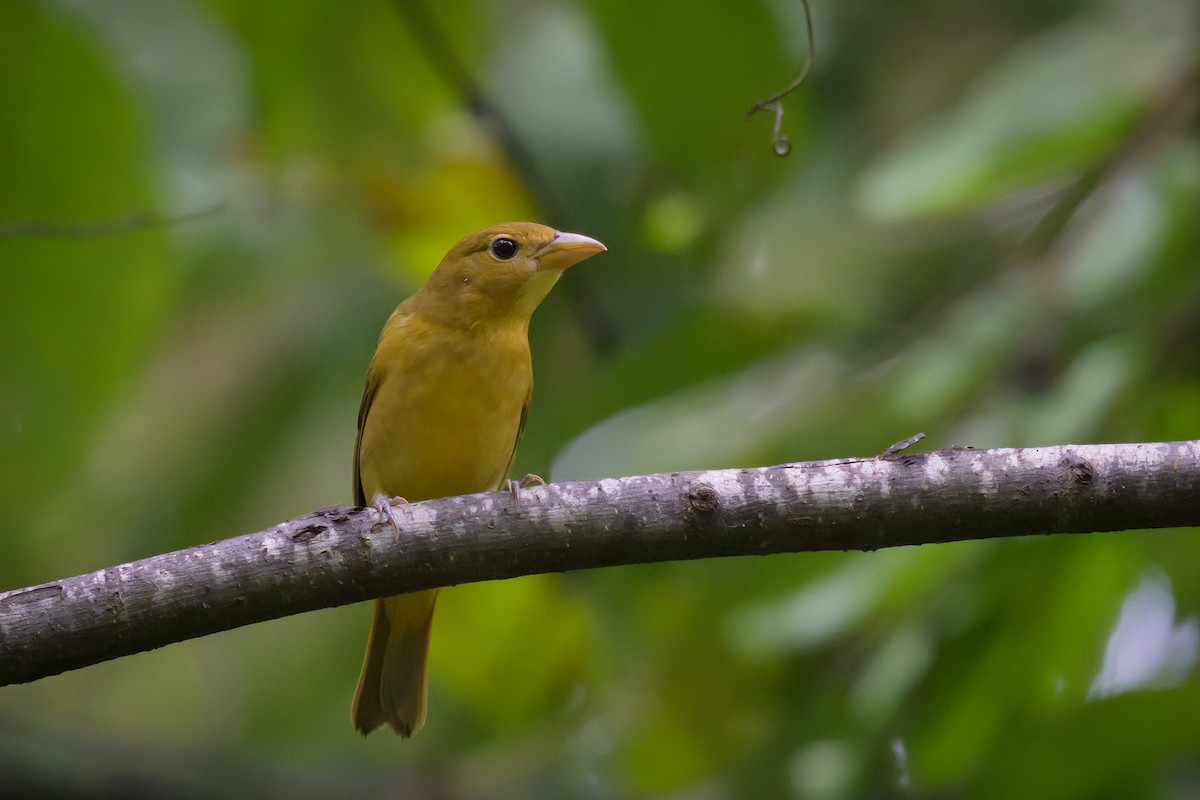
440,51
1174,113
44,229
341,555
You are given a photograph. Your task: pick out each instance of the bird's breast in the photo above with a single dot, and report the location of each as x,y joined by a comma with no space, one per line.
446,412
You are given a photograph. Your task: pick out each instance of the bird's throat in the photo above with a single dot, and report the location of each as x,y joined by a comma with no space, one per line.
536,288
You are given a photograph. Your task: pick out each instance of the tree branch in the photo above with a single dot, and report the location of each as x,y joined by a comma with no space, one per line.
438,48
340,554
135,220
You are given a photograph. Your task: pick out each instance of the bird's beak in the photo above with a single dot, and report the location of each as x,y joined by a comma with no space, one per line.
566,249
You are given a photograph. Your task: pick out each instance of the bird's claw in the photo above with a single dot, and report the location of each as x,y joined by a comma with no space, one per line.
383,505
515,487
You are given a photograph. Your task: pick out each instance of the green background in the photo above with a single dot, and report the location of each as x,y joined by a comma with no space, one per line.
988,230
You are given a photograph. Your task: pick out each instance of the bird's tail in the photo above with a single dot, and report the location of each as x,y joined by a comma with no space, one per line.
391,688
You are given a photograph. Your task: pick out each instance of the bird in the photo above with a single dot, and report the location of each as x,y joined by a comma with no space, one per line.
446,397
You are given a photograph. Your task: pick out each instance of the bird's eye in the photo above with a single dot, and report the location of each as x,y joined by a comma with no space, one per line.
503,248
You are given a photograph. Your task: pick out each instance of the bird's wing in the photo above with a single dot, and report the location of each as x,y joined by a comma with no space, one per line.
360,497
520,429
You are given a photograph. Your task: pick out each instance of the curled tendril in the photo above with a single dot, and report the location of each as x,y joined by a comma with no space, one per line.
780,142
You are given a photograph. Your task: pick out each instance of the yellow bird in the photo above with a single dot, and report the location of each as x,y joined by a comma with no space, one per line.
445,402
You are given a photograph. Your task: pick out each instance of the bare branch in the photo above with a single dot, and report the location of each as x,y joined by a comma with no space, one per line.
1167,119
342,555
90,229
435,42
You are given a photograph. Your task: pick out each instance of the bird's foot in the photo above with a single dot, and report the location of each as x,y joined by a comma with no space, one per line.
515,487
384,506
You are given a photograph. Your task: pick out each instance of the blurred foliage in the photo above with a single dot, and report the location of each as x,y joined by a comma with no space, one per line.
987,230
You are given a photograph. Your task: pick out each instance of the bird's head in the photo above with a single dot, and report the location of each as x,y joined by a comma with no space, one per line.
503,272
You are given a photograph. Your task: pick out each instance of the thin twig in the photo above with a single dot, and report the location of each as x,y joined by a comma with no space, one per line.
46,229
903,444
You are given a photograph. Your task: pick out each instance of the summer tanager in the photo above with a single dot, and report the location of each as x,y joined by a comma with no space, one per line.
445,402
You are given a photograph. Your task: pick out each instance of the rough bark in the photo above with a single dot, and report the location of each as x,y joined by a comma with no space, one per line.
342,554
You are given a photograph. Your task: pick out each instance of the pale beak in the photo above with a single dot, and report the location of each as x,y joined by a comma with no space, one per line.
566,249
